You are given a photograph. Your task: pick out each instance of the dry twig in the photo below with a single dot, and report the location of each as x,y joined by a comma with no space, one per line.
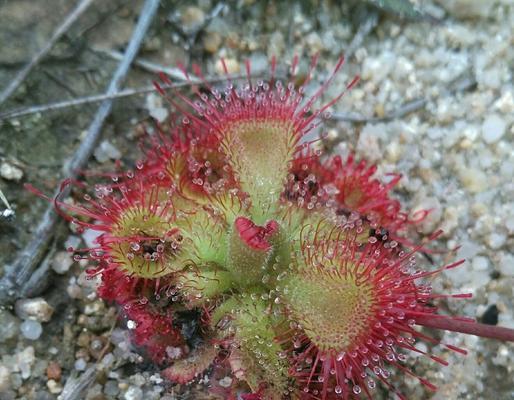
150,66
76,388
8,212
30,256
369,23
21,112
23,73
460,85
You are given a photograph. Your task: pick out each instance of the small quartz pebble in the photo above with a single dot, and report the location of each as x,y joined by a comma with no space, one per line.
24,361
36,309
133,393
90,236
480,263
155,107
80,364
106,151
212,42
62,262
232,66
53,386
493,128
192,19
225,382
506,265
473,179
496,240
10,172
31,329
5,381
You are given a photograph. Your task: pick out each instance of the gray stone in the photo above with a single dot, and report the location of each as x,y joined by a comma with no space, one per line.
9,326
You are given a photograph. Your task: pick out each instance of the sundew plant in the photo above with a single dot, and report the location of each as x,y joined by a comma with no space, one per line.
296,266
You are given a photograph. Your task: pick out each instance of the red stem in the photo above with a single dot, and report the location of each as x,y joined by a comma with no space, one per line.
472,328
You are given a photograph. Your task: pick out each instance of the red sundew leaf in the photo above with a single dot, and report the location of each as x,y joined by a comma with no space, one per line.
153,330
253,235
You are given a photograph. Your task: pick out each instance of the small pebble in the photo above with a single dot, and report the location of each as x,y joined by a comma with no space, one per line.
138,380
37,309
5,381
80,364
480,263
232,66
155,107
468,250
473,179
468,8
94,392
490,317
496,240
10,172
31,329
53,386
89,236
72,242
53,371
62,262
493,128
156,378
506,265
106,151
225,382
111,388
94,308
9,326
83,339
24,361
192,19
212,42
133,393
505,103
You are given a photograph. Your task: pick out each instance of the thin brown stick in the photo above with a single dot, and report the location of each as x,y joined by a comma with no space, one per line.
29,257
470,328
149,66
23,73
21,112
